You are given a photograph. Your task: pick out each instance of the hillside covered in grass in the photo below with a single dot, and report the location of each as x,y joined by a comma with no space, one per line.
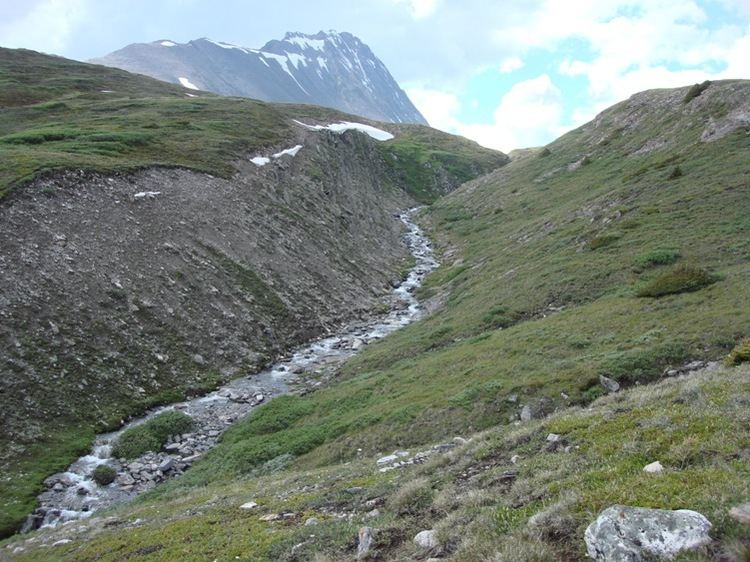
61,114
619,251
145,257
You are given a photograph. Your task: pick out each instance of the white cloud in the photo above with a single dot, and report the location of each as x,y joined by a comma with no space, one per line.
439,108
46,27
510,64
420,9
529,114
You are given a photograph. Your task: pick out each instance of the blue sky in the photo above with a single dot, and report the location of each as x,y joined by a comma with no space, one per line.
508,74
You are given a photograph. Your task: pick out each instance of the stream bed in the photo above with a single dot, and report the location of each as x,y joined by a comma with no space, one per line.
73,494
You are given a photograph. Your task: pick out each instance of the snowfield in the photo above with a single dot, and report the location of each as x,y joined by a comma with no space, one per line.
187,83
374,132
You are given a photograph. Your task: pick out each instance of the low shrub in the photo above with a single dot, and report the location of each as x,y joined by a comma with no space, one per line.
151,435
603,240
695,91
656,257
681,279
412,498
104,475
740,353
675,173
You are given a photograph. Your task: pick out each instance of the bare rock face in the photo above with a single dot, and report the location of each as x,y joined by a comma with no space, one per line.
330,69
635,534
109,299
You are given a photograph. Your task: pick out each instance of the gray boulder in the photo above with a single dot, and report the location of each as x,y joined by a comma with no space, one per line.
610,385
635,534
366,541
426,539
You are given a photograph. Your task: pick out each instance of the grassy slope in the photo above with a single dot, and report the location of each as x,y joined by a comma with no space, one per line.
697,426
533,308
542,269
55,116
65,114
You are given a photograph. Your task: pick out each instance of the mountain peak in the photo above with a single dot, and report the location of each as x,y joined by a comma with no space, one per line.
329,68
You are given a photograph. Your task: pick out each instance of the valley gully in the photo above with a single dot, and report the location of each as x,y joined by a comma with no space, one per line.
73,494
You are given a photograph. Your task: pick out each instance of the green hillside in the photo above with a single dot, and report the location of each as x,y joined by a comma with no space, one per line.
622,250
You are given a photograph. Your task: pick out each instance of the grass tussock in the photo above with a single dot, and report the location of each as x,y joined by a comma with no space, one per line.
682,279
151,435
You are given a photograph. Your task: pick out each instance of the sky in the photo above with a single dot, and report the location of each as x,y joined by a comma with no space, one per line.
508,74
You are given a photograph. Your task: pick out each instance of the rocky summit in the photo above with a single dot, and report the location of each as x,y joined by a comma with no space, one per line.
328,68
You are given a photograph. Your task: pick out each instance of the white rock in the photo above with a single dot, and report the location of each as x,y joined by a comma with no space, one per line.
515,458
249,505
653,468
366,538
553,438
61,542
426,539
635,534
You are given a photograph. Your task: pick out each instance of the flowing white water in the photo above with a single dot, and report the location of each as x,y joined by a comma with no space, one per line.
74,494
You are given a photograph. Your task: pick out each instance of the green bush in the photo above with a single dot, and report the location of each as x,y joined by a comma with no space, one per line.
151,435
656,257
695,91
104,475
603,240
675,173
740,353
681,279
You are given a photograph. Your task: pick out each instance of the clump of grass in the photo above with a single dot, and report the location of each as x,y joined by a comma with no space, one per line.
695,91
104,475
740,353
683,278
656,257
603,240
675,173
151,435
413,497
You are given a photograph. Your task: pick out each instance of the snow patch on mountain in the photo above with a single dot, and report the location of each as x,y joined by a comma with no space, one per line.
167,44
289,151
187,83
373,132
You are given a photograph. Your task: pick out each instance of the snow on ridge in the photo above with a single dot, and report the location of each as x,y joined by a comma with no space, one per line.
260,160
322,63
306,42
373,132
228,46
187,83
168,44
283,63
290,151
296,59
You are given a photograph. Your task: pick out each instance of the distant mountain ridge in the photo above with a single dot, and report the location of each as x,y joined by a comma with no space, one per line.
331,69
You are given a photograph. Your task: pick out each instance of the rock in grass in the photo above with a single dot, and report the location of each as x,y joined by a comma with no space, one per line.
635,534
248,506
741,513
366,540
653,468
610,385
426,539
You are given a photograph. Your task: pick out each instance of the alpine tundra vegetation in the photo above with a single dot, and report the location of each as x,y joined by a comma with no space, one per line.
304,335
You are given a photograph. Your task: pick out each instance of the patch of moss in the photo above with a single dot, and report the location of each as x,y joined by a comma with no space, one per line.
683,278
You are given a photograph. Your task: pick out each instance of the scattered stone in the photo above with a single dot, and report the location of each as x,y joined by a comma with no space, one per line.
515,458
526,413
741,513
354,490
248,506
198,359
366,540
460,441
61,542
653,468
372,514
166,465
426,539
553,438
311,521
610,385
635,534
271,517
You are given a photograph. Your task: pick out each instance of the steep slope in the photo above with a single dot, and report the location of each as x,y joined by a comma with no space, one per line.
147,255
619,250
329,69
